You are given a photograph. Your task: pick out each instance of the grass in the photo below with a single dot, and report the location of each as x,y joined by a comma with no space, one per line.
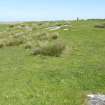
44,41
65,80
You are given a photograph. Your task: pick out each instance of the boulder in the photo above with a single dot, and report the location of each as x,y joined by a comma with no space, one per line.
96,99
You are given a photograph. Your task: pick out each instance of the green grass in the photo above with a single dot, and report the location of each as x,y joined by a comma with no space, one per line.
65,80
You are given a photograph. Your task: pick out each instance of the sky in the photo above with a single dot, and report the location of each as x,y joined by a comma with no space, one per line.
42,10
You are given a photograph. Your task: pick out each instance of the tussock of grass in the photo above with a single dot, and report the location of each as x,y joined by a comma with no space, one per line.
54,48
100,26
1,44
14,42
23,34
54,36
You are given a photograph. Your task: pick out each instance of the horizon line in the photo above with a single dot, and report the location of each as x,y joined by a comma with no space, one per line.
32,20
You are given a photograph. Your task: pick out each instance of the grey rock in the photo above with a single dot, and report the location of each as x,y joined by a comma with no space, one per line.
54,28
96,99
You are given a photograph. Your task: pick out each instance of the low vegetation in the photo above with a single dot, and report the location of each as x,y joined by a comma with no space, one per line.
29,77
52,48
43,42
100,26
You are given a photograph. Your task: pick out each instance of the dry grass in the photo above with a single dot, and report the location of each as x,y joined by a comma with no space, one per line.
43,42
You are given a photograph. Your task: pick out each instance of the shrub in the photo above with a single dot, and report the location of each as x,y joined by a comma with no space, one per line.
43,42
14,42
47,35
54,48
100,26
42,36
36,51
1,45
59,24
11,26
28,45
54,36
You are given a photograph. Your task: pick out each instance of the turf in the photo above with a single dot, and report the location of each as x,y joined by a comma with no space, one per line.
65,80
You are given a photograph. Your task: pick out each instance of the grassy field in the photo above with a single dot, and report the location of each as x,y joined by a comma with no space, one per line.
48,80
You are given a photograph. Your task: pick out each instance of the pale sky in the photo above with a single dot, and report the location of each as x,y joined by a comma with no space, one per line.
19,10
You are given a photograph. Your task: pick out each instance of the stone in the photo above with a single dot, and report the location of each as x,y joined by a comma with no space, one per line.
96,99
66,29
54,28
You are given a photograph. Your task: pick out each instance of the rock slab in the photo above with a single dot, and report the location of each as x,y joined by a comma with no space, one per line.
94,99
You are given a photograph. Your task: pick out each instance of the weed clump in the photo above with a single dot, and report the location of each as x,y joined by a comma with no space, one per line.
54,48
1,45
36,51
40,42
13,42
54,36
28,45
42,36
100,26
